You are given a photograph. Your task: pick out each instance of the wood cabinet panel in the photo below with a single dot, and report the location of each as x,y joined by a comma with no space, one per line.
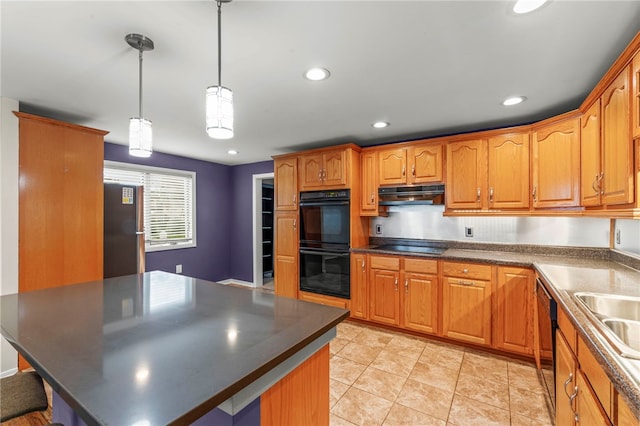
556,164
466,174
384,296
513,316
420,302
595,375
466,310
392,166
322,170
359,294
508,171
286,183
384,262
590,170
286,254
617,148
587,405
425,266
311,171
624,415
565,382
467,270
425,163
635,93
322,299
369,184
568,330
334,171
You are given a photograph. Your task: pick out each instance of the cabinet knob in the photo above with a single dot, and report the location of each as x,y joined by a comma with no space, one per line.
465,271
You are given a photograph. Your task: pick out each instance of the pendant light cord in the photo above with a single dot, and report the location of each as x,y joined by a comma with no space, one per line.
219,44
140,80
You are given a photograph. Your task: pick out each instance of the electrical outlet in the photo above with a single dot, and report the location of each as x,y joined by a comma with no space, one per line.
178,269
468,231
618,236
378,229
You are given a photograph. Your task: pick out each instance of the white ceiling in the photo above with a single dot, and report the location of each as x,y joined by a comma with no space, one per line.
428,67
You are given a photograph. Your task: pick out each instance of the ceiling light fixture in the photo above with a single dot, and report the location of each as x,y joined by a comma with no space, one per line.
219,98
380,124
317,74
514,100
526,6
140,132
232,152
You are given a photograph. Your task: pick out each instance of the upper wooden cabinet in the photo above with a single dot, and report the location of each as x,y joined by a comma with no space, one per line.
419,163
466,174
369,183
590,174
286,183
321,170
635,87
556,164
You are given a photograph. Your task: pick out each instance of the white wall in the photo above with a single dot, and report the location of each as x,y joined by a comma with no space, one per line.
629,236
8,218
427,222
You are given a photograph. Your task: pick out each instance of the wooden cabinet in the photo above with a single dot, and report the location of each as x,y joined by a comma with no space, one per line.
590,170
369,183
556,164
616,183
321,170
566,388
635,92
513,316
508,171
322,299
624,416
420,296
60,203
466,174
588,408
384,294
359,295
466,302
286,254
286,183
418,163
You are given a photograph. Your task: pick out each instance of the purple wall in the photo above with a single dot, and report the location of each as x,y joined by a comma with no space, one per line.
241,260
210,259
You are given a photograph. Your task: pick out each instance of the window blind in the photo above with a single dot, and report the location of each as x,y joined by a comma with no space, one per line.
169,214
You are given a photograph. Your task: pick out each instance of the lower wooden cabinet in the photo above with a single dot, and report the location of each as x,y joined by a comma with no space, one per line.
359,294
420,296
286,254
384,294
513,310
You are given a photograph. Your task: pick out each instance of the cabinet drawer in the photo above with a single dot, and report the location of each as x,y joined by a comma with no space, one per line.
568,330
424,266
467,270
384,262
595,375
336,302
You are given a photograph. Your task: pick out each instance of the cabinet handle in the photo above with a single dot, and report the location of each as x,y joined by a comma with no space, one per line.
396,284
478,196
600,186
413,170
595,185
571,398
465,271
294,223
491,195
403,170
362,265
320,174
294,199
467,283
534,194
406,286
566,382
373,199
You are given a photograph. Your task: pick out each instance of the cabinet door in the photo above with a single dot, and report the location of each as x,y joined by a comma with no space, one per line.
513,320
635,103
359,297
587,405
369,184
392,166
590,156
425,163
286,254
556,165
311,172
333,169
565,382
466,310
286,183
466,174
508,171
420,302
384,297
617,147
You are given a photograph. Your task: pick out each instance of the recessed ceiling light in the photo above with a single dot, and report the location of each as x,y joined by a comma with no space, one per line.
232,152
526,6
380,124
514,100
317,74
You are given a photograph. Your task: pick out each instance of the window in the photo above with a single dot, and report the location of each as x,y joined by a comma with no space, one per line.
169,203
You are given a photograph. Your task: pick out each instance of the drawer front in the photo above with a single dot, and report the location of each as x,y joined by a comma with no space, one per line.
425,266
384,262
567,329
467,270
595,375
324,300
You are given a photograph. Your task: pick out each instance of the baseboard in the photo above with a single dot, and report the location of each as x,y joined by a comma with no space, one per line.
238,282
9,372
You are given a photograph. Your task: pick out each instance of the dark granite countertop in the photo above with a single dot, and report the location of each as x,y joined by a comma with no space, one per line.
567,270
156,347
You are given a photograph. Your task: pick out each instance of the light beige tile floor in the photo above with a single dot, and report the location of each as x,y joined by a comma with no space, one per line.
379,377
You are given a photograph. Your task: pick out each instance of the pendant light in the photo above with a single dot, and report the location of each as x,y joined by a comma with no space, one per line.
140,134
219,98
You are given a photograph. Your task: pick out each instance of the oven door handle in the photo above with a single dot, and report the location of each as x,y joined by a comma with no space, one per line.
321,252
323,203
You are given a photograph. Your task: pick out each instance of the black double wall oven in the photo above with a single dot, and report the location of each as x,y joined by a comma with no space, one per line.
324,243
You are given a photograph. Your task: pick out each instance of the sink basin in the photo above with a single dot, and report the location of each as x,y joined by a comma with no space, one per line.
608,305
412,249
617,318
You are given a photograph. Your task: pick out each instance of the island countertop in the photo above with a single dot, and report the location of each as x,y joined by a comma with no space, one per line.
156,348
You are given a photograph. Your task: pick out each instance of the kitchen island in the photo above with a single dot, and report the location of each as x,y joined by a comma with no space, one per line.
160,348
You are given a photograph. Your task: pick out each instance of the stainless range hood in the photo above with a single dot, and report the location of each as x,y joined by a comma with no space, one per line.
405,195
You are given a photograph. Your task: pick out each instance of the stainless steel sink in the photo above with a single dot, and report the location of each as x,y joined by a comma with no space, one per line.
617,318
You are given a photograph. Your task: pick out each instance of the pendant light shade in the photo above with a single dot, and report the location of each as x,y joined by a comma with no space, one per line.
219,99
140,133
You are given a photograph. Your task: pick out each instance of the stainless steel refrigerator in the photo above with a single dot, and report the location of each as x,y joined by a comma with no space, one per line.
123,230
